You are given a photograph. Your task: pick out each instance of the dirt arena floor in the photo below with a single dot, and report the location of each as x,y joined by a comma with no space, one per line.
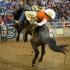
18,56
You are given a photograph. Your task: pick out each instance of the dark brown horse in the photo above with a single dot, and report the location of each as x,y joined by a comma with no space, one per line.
41,37
26,27
22,25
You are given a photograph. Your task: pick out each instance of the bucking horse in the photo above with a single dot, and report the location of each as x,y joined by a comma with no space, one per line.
40,37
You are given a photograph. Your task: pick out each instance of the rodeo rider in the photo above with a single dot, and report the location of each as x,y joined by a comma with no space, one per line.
42,17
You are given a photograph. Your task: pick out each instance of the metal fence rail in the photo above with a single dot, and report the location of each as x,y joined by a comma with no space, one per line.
60,29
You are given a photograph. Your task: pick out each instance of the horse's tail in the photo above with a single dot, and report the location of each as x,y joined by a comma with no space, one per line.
56,48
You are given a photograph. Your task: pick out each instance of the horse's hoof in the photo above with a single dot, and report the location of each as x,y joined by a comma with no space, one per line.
17,40
33,65
25,40
32,51
65,50
40,60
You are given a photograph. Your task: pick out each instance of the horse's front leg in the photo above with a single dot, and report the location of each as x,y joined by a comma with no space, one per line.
25,36
36,54
42,53
18,35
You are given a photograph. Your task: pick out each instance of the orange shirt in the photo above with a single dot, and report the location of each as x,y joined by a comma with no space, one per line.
41,15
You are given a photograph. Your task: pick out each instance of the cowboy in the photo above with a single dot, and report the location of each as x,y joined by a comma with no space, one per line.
30,11
41,16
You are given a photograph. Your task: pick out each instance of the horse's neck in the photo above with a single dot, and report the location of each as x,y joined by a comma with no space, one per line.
39,28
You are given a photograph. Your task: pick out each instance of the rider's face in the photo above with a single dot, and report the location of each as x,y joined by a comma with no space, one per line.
48,18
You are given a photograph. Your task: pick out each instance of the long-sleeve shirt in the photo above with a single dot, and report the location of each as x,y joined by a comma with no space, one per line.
44,21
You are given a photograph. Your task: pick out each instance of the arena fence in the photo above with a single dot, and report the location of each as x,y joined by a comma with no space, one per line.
59,29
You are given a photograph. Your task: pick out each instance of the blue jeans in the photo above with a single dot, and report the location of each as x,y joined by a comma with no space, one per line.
22,18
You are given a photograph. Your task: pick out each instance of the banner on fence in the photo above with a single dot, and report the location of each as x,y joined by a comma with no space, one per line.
59,31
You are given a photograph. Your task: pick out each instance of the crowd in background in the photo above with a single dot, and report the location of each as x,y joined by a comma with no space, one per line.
62,7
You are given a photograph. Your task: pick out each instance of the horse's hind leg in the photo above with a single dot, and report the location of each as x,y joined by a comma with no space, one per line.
36,54
18,35
42,53
56,48
25,36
